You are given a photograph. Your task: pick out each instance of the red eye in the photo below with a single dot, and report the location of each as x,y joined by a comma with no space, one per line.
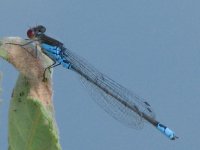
30,33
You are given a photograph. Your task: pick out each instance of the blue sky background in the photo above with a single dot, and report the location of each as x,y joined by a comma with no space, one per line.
151,47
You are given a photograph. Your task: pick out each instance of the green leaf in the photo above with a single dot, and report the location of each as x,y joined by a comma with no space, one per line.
31,125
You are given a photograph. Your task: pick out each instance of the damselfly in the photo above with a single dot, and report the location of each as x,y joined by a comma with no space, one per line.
116,100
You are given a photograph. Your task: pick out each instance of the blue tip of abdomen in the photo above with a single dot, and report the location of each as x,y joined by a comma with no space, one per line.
168,132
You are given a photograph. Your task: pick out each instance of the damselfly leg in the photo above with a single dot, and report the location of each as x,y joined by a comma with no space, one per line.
34,52
55,64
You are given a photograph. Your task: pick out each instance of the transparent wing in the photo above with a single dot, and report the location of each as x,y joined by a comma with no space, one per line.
113,107
115,99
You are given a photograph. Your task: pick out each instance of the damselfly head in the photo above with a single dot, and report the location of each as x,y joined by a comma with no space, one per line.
35,31
31,33
40,28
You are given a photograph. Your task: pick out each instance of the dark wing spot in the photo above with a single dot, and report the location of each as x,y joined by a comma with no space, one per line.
147,103
149,109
